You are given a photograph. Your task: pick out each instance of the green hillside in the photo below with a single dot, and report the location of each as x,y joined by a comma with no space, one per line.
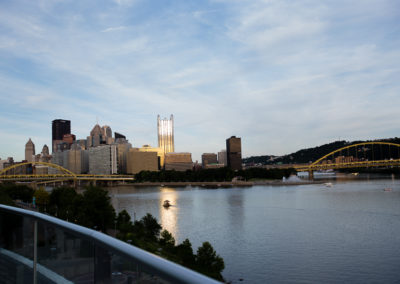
312,154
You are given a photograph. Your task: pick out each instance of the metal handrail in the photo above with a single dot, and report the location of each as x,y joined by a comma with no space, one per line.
167,269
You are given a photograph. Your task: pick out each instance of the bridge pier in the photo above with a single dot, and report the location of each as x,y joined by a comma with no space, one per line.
311,175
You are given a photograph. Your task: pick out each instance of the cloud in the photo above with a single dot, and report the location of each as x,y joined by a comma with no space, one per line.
305,72
113,29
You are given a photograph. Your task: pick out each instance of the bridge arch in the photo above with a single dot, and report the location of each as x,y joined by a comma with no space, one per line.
352,146
58,167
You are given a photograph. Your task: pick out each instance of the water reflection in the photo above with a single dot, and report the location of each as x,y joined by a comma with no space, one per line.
169,215
305,233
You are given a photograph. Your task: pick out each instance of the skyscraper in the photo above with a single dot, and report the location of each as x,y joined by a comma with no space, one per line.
60,127
29,150
234,153
166,134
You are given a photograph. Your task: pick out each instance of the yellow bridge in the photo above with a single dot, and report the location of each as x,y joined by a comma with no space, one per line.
361,155
16,173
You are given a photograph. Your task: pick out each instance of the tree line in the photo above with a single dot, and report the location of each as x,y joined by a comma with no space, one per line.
93,209
212,175
312,154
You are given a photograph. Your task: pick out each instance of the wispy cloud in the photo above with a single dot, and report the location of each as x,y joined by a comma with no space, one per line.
113,29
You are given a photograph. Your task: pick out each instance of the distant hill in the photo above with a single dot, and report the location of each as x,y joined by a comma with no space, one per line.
312,154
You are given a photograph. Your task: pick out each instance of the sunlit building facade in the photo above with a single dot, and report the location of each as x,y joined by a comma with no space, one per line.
158,150
141,161
166,134
178,161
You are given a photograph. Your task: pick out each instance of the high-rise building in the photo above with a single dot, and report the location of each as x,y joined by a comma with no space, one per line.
122,151
159,151
78,159
107,134
166,134
234,153
103,160
100,136
95,137
60,127
29,151
208,158
44,155
45,150
222,158
141,161
106,131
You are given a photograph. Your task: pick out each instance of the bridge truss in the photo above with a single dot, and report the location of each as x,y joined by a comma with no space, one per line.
361,155
19,173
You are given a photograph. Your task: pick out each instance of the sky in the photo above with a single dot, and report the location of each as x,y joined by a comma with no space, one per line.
282,75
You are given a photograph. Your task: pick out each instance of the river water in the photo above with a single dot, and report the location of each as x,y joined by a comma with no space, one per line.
349,232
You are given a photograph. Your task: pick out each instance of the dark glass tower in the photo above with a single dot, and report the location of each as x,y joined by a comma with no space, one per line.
59,128
234,153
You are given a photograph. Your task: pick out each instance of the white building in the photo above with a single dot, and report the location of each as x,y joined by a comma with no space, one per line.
103,160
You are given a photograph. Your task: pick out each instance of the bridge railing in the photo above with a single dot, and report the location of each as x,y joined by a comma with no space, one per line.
37,248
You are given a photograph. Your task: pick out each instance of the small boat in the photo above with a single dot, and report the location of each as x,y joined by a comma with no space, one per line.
328,184
166,204
387,189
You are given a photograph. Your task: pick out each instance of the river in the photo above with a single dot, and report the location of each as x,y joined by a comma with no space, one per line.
349,232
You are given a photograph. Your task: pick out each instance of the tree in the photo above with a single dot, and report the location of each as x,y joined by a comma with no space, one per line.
5,198
63,203
22,192
167,240
151,227
42,198
208,262
184,252
124,224
96,211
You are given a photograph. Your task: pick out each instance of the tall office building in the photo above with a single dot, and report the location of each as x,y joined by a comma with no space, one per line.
45,150
160,153
60,127
141,161
208,158
122,151
95,137
103,160
78,159
45,155
166,134
222,157
234,153
107,134
29,150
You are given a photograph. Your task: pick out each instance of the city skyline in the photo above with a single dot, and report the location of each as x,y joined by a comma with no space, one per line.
270,72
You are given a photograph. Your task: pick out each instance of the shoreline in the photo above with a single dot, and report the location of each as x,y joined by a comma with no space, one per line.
216,184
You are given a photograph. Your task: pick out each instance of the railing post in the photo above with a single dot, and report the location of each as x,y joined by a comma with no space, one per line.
34,252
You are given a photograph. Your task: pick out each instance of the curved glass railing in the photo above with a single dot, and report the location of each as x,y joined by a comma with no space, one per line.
37,248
